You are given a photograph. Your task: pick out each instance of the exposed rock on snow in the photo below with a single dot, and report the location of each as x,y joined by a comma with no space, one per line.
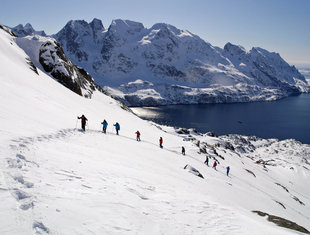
8,30
49,55
193,170
283,222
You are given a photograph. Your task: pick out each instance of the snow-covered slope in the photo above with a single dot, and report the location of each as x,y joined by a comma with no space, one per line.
55,179
175,66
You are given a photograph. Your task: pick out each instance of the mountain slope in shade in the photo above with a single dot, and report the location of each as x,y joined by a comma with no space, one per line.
56,179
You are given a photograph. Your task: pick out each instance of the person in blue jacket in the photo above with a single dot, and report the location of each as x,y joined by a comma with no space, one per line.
227,170
117,127
104,126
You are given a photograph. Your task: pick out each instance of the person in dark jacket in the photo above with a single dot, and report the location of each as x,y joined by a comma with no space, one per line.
138,135
161,142
104,126
207,161
183,150
83,121
117,127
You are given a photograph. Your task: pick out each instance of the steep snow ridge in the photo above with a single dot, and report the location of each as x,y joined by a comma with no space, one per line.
56,179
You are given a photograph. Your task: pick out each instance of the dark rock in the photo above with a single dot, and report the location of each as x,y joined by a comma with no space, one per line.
283,222
251,172
9,31
282,187
212,134
297,199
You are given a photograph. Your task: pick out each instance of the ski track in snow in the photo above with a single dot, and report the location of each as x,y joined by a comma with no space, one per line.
19,165
200,214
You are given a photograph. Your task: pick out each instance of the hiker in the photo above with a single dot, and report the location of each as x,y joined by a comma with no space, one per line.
227,170
138,136
161,142
183,150
214,165
83,121
117,127
104,126
207,160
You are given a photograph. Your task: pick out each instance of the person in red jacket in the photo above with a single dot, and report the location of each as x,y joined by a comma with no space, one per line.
161,142
83,121
138,136
214,165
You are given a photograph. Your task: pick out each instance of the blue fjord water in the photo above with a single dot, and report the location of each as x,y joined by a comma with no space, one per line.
282,119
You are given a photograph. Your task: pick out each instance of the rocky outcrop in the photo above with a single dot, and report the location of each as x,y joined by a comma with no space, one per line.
49,55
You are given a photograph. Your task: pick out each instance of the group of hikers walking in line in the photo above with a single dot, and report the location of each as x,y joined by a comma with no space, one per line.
118,127
104,125
215,164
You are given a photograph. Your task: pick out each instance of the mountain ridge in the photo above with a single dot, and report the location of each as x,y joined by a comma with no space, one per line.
170,58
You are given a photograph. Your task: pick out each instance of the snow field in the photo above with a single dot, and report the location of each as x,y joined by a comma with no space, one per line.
55,179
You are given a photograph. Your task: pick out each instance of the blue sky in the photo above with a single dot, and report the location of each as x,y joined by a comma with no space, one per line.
282,26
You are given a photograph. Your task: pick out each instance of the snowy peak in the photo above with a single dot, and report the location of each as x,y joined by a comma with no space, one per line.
81,39
165,29
234,49
125,27
26,30
96,25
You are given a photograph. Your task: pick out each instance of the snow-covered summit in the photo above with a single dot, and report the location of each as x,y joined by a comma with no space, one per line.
56,179
26,30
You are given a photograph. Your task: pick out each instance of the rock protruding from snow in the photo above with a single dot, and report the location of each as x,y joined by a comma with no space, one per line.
193,170
47,54
8,30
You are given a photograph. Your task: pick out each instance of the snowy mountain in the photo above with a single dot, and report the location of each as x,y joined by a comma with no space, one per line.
26,30
166,65
56,179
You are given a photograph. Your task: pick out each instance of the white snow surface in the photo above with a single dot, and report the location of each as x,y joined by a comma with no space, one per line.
56,179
